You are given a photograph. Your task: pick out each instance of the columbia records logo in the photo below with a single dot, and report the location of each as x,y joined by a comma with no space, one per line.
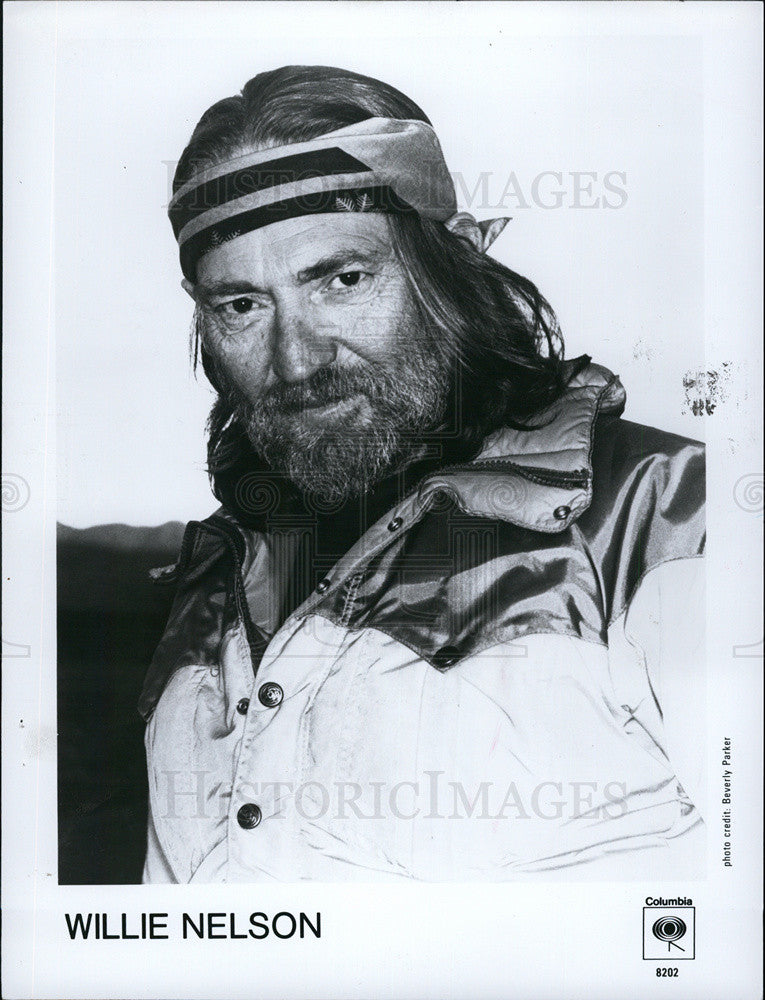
669,933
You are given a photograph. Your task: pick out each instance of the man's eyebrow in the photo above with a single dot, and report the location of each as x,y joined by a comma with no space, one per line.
342,260
229,288
337,261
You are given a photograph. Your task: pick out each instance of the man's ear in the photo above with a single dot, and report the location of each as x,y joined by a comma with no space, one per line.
189,288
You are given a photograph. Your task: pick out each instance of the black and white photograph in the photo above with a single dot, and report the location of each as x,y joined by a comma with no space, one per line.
383,499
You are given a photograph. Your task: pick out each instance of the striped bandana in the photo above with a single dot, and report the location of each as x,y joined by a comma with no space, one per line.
378,165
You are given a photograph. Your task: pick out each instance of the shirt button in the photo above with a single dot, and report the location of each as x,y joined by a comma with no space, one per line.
242,705
322,586
447,656
270,694
249,816
395,524
561,513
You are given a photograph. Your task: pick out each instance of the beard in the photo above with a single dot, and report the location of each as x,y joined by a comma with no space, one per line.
341,430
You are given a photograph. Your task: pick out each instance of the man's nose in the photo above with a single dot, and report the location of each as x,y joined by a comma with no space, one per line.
300,346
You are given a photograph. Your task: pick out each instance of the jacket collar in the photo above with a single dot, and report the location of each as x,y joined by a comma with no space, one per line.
539,479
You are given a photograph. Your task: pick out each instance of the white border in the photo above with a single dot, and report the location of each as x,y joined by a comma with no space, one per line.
524,940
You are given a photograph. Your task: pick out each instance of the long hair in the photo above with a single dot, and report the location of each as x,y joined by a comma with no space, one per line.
501,333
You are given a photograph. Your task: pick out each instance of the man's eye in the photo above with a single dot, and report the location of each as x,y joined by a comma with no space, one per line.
348,279
242,306
236,307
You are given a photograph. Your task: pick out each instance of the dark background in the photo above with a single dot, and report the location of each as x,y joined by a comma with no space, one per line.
110,618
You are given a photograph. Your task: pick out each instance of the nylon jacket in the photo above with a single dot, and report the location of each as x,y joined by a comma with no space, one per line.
498,681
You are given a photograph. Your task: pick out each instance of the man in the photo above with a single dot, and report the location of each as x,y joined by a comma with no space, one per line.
446,622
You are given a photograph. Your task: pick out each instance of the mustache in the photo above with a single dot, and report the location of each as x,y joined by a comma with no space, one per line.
325,386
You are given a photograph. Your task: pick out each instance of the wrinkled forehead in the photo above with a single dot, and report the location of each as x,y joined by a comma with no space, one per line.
282,250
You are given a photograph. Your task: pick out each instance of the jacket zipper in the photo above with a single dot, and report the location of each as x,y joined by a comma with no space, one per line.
576,479
536,474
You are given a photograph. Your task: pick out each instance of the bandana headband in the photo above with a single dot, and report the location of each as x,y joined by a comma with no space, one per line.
378,165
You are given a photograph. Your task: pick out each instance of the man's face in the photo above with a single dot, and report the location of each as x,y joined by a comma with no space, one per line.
316,344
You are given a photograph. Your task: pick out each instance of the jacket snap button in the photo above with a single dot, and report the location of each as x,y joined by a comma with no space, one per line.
561,513
322,586
395,524
249,816
270,694
242,705
446,656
